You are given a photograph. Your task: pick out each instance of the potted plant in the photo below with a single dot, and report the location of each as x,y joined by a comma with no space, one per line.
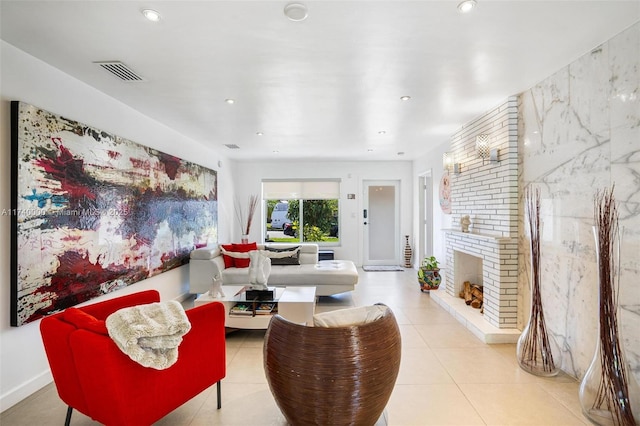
429,274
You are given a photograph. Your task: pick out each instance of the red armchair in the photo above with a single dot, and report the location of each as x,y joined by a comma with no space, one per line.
93,376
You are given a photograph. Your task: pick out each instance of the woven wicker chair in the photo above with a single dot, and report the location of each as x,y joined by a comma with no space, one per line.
332,376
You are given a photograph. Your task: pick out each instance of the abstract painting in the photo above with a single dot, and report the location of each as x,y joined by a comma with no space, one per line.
93,212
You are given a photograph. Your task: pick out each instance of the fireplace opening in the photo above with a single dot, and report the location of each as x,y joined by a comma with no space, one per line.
467,276
467,267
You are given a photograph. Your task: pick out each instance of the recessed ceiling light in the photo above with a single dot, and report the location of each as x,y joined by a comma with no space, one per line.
405,98
275,151
382,132
259,133
296,11
370,150
400,152
230,101
151,15
466,6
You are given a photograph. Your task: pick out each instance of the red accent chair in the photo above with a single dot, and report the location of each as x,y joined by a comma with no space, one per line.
93,376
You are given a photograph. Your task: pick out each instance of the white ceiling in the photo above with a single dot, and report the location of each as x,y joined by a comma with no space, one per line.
322,88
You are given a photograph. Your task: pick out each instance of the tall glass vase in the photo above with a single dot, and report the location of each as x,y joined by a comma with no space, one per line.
537,351
609,393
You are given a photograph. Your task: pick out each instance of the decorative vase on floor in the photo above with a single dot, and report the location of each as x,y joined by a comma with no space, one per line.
537,352
609,393
408,252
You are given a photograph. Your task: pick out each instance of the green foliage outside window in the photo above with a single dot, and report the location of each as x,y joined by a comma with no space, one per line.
320,216
313,233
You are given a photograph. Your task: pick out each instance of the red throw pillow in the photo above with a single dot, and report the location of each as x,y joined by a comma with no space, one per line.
229,262
83,320
244,248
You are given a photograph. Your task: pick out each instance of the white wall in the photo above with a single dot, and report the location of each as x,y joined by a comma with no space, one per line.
352,175
23,365
431,163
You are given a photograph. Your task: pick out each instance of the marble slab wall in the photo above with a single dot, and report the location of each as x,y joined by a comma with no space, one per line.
579,132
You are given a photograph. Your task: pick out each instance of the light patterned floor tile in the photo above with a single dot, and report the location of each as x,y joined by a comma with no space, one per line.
518,404
426,405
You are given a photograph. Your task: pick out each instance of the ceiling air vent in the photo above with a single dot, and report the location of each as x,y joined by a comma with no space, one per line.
232,146
120,70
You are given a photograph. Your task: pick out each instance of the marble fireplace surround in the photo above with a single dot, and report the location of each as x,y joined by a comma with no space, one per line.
499,277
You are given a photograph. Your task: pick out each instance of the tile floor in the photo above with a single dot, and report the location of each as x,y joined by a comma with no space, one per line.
447,376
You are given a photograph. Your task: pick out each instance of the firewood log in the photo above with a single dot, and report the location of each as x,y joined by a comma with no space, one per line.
476,293
467,292
476,303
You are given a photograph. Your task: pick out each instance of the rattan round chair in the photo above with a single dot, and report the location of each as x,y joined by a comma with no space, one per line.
332,376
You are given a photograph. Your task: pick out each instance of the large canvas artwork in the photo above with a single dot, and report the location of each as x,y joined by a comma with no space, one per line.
93,212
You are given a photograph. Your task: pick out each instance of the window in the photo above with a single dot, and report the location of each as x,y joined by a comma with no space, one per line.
302,210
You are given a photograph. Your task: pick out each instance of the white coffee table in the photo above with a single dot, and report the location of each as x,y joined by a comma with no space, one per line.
296,304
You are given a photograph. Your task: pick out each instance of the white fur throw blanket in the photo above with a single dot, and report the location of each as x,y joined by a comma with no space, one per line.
150,334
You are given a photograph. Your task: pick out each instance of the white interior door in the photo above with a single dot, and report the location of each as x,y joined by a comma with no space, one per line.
381,224
426,217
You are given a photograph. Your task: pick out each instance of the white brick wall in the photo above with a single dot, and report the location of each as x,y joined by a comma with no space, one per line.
488,193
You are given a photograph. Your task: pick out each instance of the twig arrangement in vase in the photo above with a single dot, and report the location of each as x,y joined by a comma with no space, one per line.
605,390
537,353
245,221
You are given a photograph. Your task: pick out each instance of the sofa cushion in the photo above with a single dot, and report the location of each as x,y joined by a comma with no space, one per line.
292,259
83,320
229,262
350,316
242,248
282,249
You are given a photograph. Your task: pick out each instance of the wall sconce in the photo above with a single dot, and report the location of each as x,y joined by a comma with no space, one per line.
483,149
449,163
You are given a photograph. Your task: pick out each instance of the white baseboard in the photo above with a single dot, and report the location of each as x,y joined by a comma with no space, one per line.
26,389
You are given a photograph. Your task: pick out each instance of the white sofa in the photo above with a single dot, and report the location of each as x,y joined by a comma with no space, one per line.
328,276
